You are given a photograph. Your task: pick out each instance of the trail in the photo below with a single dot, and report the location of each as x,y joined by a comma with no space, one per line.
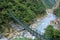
56,5
53,8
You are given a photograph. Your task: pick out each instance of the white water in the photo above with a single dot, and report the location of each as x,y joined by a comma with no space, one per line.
4,39
45,22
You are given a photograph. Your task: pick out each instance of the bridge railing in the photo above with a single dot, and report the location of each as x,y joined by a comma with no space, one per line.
34,33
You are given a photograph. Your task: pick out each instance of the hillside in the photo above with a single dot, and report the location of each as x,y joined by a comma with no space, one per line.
25,10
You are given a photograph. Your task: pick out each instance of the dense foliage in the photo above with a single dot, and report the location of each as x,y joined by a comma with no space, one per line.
57,11
51,33
24,10
24,39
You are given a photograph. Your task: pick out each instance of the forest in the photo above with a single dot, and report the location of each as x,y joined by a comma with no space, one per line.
25,10
57,11
28,11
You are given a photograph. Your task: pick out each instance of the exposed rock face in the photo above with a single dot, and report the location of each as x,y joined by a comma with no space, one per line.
56,23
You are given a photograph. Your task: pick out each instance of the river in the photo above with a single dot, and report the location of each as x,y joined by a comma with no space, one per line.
40,28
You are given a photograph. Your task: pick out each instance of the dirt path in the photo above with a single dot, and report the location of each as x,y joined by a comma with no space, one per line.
47,11
54,7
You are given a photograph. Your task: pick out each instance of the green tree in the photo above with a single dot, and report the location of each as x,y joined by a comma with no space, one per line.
24,10
57,12
51,33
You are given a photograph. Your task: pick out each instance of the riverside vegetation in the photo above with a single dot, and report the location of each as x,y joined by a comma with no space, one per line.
25,10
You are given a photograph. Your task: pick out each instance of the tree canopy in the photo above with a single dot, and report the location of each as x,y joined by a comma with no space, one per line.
24,10
51,33
57,11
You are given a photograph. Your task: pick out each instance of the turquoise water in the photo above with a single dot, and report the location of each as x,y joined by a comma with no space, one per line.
49,3
53,1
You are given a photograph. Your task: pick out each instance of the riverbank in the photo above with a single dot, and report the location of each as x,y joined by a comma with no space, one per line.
39,25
